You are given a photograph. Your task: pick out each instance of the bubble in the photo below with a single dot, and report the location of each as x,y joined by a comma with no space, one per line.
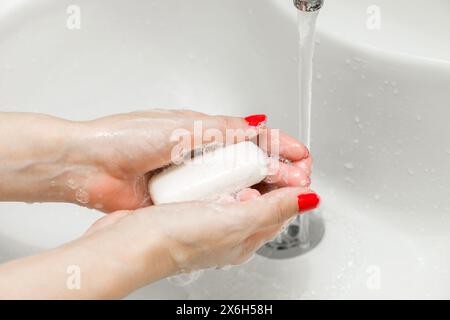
72,184
185,279
82,196
349,166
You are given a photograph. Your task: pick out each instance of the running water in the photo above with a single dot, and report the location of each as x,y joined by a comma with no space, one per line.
306,30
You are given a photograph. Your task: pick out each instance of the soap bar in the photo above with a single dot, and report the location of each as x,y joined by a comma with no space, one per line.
214,173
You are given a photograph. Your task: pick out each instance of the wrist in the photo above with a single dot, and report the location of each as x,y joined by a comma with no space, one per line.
133,245
37,157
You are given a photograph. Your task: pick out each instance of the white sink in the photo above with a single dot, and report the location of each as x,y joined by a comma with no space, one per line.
381,140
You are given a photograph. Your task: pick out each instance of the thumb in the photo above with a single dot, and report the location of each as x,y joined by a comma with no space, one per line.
280,205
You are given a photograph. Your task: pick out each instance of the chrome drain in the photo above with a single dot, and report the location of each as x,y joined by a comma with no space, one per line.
292,242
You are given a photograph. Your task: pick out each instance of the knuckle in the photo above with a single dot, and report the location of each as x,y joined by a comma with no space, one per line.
278,212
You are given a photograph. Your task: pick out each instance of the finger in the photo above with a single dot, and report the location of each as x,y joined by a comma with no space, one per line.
191,131
305,165
282,145
248,194
279,205
287,175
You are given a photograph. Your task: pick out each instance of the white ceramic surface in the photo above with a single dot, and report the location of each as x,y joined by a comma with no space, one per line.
380,135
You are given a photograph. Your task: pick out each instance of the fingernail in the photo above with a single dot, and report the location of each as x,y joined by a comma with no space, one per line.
256,120
307,201
306,182
307,152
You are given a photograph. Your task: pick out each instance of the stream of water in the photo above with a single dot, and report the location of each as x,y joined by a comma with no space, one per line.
306,31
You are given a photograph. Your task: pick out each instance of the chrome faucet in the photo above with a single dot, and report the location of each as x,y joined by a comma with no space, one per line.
308,5
304,234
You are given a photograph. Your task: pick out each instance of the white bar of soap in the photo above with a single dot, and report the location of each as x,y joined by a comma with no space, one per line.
215,173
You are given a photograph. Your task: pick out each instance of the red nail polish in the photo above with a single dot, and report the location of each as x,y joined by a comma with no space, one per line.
307,201
256,119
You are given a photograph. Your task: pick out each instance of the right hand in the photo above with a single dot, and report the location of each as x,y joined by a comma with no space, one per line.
189,236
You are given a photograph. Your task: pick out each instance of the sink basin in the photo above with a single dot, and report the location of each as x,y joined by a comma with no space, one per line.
380,136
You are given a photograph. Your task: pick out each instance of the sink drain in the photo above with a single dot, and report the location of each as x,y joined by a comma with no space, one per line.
290,243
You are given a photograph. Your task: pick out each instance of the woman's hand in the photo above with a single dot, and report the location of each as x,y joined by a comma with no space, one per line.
106,163
126,149
129,249
121,151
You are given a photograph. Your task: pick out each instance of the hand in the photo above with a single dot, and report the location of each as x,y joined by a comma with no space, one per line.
197,235
106,163
121,152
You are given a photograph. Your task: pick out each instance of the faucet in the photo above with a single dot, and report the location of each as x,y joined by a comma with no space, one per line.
308,5
301,236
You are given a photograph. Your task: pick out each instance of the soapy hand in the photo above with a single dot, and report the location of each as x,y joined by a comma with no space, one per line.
121,152
126,250
198,235
106,163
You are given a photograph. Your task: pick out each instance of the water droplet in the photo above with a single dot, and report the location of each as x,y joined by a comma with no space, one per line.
318,76
370,95
411,172
355,141
82,196
395,91
347,61
349,166
418,117
357,119
72,184
376,197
